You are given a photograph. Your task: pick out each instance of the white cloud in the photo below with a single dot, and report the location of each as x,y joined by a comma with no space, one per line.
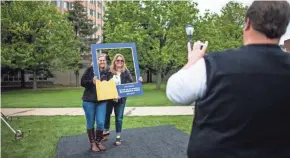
216,6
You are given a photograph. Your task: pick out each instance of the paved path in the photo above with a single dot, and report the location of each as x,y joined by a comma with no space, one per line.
129,111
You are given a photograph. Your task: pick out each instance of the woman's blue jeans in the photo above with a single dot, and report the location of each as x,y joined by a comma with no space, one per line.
95,112
119,112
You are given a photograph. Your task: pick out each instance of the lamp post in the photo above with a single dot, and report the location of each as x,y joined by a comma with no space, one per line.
189,31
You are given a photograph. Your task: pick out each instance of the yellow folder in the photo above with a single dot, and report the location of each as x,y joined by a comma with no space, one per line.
106,90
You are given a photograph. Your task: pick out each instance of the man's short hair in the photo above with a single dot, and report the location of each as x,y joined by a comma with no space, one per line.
270,18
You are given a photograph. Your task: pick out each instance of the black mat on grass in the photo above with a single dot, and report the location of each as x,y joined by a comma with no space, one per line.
149,142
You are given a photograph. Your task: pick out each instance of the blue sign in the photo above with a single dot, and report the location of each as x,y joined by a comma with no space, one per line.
124,90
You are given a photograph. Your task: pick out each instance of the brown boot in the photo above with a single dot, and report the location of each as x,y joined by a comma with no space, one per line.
91,134
99,138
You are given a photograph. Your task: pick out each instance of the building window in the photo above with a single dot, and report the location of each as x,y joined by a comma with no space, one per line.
56,3
68,5
93,2
65,5
41,77
99,16
11,77
99,4
92,13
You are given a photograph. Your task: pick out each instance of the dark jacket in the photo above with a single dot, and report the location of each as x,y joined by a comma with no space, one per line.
126,77
90,93
245,112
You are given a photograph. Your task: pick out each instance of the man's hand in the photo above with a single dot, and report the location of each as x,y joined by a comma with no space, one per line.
196,53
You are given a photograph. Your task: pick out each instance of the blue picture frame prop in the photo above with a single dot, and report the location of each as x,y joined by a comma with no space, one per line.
124,90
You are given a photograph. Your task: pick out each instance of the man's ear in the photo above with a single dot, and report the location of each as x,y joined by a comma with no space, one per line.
247,24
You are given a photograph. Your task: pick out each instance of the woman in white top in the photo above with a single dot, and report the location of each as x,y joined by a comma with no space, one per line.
121,75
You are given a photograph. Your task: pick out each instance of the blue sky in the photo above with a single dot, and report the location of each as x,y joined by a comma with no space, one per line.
216,6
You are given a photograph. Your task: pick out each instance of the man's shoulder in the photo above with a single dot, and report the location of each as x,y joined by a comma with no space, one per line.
224,52
224,57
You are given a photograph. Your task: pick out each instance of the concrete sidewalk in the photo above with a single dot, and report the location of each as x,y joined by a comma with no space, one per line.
129,111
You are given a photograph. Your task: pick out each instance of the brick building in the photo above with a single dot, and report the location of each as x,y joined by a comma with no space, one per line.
95,11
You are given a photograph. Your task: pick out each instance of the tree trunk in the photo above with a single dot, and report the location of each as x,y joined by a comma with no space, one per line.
22,78
159,78
77,77
34,80
148,77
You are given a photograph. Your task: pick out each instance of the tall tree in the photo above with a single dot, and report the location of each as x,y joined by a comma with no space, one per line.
84,28
223,31
35,37
156,26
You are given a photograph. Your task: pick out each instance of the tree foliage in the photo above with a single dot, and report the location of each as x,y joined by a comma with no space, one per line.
157,27
84,28
35,36
224,31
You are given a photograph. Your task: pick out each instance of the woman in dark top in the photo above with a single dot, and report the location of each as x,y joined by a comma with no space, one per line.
95,111
121,75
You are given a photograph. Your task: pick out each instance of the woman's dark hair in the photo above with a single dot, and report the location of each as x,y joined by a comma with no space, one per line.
270,18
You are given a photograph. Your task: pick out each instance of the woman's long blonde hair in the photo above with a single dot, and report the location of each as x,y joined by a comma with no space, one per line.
113,66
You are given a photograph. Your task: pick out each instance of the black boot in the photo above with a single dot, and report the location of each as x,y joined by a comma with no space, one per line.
91,136
99,138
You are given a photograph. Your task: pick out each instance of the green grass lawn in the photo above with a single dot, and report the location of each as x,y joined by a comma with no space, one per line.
71,97
45,132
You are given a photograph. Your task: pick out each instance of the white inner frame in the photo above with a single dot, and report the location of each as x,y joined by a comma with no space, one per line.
136,79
